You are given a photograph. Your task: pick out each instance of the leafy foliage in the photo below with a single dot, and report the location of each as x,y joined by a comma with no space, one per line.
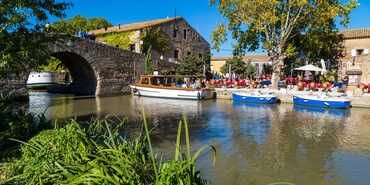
250,71
154,38
43,154
120,39
273,25
17,124
237,66
194,66
148,61
73,155
21,21
78,22
54,65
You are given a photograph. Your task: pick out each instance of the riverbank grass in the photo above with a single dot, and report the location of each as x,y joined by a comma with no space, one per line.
99,155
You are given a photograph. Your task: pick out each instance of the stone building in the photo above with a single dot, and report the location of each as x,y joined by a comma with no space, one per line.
357,68
355,49
257,60
355,42
183,38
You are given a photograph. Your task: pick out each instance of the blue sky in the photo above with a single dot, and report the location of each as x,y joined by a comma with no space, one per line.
197,12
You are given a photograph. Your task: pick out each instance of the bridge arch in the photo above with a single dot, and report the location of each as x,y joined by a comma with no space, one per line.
84,75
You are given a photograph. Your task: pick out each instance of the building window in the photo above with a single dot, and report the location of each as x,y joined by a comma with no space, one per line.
359,51
176,54
189,53
132,47
185,34
175,31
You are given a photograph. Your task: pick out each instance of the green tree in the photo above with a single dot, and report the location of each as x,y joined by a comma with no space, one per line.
251,70
154,38
237,66
72,26
194,66
274,24
21,22
148,61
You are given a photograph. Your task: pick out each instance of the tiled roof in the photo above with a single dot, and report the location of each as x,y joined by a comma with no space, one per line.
355,33
246,57
134,26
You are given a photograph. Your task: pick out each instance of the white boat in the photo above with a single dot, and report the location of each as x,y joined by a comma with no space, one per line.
40,79
160,86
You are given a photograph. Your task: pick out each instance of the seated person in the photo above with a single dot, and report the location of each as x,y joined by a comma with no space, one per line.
193,85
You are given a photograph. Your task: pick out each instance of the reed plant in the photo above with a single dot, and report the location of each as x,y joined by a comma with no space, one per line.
100,155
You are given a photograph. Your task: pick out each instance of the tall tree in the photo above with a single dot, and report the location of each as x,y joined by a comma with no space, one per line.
20,23
194,66
237,66
148,61
272,24
72,26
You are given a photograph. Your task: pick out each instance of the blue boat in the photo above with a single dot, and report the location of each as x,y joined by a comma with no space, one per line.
255,98
326,102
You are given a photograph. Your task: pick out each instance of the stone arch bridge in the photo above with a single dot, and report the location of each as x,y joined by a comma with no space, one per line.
96,68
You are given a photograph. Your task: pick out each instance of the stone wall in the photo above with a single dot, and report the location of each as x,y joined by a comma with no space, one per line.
357,63
193,44
13,85
96,69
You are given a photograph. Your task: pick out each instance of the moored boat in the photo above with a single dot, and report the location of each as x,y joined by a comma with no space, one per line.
38,80
322,101
255,97
163,86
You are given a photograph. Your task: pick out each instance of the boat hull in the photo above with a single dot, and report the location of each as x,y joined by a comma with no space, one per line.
321,103
40,80
255,99
172,93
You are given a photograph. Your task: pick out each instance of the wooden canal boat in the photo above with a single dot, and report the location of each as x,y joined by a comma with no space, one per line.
171,86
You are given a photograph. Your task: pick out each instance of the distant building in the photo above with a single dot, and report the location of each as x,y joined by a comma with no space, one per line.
183,39
256,60
355,42
356,61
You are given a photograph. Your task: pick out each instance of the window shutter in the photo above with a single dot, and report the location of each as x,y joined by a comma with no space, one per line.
353,52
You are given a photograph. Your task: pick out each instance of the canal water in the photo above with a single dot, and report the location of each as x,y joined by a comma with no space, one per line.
256,144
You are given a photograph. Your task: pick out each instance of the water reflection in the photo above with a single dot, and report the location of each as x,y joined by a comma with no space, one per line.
256,143
318,111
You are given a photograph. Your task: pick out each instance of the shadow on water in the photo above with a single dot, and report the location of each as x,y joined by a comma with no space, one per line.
256,143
